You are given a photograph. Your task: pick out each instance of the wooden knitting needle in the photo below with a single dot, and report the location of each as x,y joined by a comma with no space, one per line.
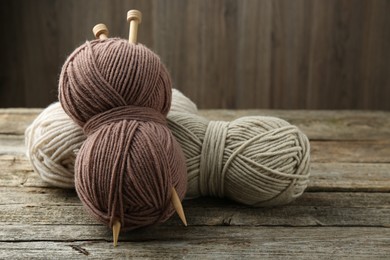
100,31
178,207
135,18
116,228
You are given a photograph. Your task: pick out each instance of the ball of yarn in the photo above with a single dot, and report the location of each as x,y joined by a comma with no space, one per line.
120,94
257,161
53,139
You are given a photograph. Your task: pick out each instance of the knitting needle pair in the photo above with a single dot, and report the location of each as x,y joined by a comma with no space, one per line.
101,32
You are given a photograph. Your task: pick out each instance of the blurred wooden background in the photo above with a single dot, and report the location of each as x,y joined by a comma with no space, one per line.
295,54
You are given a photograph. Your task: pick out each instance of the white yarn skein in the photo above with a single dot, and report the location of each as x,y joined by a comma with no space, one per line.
52,141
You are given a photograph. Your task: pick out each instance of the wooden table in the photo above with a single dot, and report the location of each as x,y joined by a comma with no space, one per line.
345,212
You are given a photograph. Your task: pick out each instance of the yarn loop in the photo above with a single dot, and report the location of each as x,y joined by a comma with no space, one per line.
130,113
211,174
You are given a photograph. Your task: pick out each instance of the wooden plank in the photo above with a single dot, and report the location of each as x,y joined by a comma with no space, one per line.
206,243
336,30
15,121
12,145
290,37
40,68
355,152
52,35
373,177
237,54
39,206
210,32
254,75
17,171
372,53
318,125
368,177
12,65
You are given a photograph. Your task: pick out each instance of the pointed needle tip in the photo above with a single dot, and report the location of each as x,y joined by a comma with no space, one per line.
178,206
116,227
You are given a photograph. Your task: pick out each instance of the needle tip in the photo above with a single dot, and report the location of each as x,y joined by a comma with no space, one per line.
178,207
116,227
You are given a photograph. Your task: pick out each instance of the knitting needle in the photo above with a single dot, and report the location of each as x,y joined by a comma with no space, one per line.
116,228
135,18
100,31
178,207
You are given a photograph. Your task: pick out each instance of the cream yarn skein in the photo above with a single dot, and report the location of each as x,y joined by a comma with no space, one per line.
52,141
257,161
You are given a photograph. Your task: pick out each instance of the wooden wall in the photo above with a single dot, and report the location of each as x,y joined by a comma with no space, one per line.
295,54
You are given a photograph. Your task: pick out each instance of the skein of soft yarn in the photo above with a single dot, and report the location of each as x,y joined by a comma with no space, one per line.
53,140
120,94
257,161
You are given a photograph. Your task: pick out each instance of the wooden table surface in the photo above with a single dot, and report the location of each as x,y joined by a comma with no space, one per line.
345,212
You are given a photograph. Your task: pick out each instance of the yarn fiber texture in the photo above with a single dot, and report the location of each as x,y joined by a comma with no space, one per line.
257,160
120,94
53,140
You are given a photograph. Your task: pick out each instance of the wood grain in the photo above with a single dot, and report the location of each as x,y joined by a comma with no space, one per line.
343,214
369,177
222,54
41,206
204,243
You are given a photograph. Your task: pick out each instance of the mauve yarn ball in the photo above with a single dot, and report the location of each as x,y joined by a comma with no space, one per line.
120,94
